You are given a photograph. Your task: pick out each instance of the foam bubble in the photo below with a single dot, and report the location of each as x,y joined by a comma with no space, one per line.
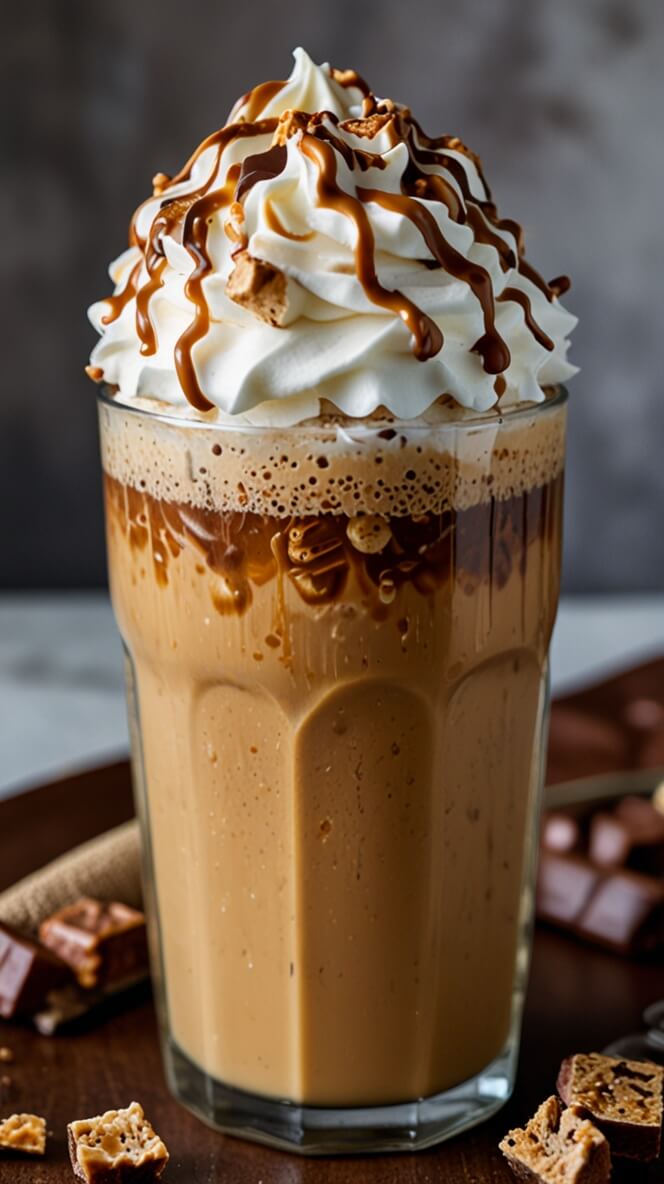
336,466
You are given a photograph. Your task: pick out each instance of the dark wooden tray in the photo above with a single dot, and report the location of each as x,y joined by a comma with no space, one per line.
579,999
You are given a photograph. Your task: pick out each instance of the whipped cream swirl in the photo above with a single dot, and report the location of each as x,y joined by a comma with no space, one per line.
321,249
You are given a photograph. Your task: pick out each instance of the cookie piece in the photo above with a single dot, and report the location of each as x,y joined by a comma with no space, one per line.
623,1098
116,1146
558,1146
23,1132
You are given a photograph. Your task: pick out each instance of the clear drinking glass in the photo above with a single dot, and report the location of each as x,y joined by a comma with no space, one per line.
336,639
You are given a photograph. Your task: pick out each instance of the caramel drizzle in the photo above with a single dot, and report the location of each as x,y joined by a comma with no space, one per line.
117,303
361,157
520,298
484,234
491,347
435,153
202,205
144,326
274,222
317,555
256,100
427,337
220,139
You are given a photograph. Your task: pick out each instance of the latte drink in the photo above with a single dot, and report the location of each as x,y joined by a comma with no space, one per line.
334,525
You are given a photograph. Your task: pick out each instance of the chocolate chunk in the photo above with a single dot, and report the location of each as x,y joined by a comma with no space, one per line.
23,1132
565,885
619,909
558,1147
27,974
117,1146
632,836
102,943
609,840
625,913
623,1098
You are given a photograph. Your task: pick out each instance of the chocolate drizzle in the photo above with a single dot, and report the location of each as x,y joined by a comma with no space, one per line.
240,551
560,285
521,299
202,205
491,347
427,337
263,166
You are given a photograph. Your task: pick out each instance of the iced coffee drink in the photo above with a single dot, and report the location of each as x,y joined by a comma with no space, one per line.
333,445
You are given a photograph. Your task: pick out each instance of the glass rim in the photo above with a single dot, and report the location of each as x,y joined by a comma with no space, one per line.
492,418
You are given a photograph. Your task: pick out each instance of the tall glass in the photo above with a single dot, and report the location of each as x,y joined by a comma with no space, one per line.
336,639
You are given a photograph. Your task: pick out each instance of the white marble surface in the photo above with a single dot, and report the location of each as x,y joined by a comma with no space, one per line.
61,694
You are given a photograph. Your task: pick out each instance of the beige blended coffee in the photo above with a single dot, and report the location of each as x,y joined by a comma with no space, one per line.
333,444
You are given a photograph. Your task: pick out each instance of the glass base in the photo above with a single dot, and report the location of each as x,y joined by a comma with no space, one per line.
317,1130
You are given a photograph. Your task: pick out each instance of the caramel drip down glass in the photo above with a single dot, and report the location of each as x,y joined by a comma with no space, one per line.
336,640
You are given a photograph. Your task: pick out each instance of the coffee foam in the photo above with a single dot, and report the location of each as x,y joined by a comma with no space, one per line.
334,465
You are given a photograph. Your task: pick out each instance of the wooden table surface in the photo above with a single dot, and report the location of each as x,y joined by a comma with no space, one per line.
579,999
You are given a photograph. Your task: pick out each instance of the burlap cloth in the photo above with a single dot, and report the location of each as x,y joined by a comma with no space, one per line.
613,726
107,867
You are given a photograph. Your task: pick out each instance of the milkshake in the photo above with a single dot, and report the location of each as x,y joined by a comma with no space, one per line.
333,447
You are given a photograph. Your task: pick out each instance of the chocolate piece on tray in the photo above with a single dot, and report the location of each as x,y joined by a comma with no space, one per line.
558,1146
27,974
560,832
23,1132
116,1146
625,913
102,943
632,835
565,884
609,842
615,908
623,1098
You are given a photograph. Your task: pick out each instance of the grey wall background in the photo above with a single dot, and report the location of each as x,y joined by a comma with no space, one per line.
564,100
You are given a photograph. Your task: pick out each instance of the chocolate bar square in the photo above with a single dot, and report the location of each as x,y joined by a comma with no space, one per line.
102,943
28,973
